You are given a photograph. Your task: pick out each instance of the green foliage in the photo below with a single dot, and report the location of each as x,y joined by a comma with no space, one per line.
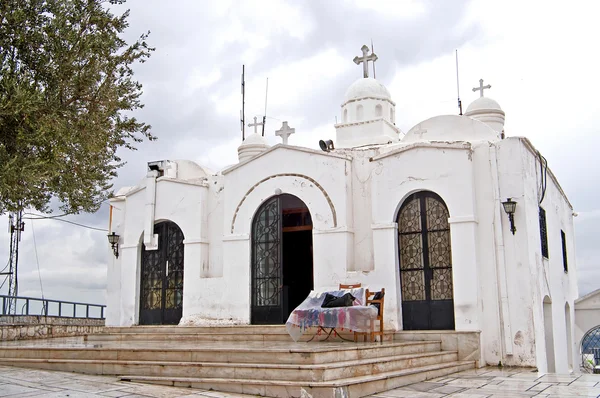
66,97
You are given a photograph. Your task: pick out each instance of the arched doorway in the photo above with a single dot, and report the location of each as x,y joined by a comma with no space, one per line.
161,290
590,350
425,259
282,261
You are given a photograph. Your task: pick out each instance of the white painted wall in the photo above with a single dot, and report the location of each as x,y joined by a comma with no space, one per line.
353,195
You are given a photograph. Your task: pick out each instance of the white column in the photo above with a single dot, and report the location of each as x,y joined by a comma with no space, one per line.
195,262
333,256
386,272
130,285
463,233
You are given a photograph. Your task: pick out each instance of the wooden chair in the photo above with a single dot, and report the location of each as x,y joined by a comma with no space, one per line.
370,298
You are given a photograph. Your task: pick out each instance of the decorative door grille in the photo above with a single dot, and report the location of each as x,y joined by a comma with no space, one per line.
425,263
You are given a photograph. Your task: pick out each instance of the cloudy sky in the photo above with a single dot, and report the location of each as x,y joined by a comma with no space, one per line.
540,57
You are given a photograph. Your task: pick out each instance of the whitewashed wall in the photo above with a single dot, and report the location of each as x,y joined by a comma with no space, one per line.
500,279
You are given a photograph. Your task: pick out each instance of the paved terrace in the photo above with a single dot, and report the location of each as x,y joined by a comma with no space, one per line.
479,383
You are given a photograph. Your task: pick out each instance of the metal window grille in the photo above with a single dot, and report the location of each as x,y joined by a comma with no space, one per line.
564,250
543,232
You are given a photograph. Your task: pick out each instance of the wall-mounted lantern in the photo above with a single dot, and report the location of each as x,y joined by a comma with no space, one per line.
509,207
113,239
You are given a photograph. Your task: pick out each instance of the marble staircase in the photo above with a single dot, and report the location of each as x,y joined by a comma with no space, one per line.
258,360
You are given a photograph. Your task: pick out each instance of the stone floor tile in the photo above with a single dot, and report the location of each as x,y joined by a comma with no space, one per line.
87,385
14,389
581,383
443,379
405,393
558,378
470,383
470,393
424,386
539,387
447,389
589,377
516,385
569,391
68,393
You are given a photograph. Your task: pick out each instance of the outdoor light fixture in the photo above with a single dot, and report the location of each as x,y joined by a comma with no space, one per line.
326,146
509,208
113,239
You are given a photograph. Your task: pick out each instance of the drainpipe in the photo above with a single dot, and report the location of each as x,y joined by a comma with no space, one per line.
150,239
505,328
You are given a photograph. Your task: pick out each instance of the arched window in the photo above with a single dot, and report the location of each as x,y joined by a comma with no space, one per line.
345,119
359,112
378,110
590,350
392,114
425,259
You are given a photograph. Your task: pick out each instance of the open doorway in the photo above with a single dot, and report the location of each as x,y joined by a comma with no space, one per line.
282,260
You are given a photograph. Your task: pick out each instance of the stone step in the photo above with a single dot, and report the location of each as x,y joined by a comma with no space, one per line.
353,387
233,329
234,352
231,336
306,373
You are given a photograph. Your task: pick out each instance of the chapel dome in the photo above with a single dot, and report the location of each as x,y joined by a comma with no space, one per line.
483,104
366,87
450,128
488,111
254,139
253,145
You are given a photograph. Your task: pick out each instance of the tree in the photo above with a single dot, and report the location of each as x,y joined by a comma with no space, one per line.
66,99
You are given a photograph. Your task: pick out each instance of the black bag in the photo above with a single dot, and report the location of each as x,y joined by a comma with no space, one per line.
332,301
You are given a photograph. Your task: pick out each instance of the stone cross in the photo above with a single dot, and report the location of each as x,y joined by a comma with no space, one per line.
365,60
481,87
255,125
285,132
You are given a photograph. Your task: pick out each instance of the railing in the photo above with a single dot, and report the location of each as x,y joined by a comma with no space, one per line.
56,308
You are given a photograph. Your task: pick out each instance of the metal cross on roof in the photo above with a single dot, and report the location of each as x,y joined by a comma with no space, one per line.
481,87
365,60
255,125
285,132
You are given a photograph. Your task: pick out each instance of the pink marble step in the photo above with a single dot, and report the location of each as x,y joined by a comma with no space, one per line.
353,387
308,373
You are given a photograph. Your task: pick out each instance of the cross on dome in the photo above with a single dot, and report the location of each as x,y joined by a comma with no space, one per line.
365,60
255,125
481,88
285,132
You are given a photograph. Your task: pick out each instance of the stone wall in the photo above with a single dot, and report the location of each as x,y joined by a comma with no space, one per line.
39,327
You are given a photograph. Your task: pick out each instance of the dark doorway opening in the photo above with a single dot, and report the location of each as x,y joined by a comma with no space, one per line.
161,290
282,260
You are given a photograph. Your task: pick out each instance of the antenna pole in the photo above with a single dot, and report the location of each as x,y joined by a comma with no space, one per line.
373,52
243,115
265,115
458,86
15,238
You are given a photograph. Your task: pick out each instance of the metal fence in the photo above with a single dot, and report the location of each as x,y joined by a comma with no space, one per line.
46,307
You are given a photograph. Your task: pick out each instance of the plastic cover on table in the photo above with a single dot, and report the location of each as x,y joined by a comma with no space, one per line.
356,318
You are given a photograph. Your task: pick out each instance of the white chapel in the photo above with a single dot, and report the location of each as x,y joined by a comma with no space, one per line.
466,228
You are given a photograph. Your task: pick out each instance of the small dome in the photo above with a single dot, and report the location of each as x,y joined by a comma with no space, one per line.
450,128
254,139
483,104
252,146
366,87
